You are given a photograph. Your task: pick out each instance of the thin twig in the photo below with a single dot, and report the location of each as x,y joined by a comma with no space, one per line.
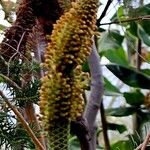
25,125
104,12
147,17
18,46
104,127
138,59
10,81
145,143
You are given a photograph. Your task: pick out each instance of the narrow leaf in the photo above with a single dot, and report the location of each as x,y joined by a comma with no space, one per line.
120,112
118,127
143,35
110,89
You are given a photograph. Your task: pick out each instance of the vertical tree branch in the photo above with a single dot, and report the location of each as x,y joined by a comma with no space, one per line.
95,98
138,54
104,126
103,13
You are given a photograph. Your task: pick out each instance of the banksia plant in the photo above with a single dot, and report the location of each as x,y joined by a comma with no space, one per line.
62,87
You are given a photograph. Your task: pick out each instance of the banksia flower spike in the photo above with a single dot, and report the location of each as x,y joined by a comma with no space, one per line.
17,34
62,87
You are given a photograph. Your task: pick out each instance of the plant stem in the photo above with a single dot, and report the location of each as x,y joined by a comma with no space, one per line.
146,17
104,12
95,98
136,120
10,82
24,123
32,119
138,54
104,127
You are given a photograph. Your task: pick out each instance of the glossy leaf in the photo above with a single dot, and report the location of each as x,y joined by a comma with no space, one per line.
133,28
143,35
118,127
117,56
122,145
120,112
134,98
110,89
144,11
130,76
110,40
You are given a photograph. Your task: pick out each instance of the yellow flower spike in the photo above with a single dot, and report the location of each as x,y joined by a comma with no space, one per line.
61,90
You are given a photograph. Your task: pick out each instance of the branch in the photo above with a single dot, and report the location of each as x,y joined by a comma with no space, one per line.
144,144
12,83
138,60
104,12
25,125
104,127
146,17
95,98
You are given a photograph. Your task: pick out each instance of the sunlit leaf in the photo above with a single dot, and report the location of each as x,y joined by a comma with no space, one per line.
130,76
122,145
120,12
117,56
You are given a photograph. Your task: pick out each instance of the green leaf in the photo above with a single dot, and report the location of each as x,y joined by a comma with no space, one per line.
144,11
118,127
143,35
110,89
120,112
117,56
120,12
122,145
130,76
134,98
110,40
133,28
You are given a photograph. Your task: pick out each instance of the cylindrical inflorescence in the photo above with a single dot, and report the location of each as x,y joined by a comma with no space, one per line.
61,92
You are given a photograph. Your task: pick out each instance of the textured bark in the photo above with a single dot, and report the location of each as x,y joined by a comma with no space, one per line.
95,98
